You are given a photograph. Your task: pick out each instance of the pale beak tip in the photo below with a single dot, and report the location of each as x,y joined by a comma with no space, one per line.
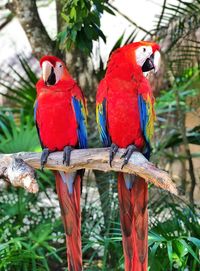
157,59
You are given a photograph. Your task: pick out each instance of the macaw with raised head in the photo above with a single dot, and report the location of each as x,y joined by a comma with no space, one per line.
60,116
125,118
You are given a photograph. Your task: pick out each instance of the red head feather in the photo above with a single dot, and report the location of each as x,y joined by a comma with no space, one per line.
126,54
51,59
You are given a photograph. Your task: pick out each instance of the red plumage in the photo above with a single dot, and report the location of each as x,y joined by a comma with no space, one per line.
134,223
51,59
57,127
71,215
119,94
55,115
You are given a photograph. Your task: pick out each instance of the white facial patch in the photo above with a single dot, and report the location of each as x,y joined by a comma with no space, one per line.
142,53
58,69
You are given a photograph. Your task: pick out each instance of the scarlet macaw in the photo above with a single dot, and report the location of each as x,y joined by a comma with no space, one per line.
60,116
125,117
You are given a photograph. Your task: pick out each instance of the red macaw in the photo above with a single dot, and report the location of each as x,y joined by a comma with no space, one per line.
60,116
125,117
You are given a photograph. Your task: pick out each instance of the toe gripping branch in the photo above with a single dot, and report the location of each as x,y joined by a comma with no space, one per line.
127,154
66,155
113,150
44,157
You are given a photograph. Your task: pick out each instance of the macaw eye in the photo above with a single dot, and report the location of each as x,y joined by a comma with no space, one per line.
60,65
144,49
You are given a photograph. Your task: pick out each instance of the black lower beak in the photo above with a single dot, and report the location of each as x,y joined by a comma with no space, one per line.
52,78
148,64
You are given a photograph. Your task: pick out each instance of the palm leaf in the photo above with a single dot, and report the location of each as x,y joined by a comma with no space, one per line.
176,27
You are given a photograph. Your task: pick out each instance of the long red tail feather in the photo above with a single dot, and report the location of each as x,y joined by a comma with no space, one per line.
134,223
71,215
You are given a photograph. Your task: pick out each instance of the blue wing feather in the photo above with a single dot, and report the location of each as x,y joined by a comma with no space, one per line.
81,120
144,119
102,124
35,120
35,110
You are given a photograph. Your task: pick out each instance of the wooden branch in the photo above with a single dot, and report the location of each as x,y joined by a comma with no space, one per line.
96,159
16,172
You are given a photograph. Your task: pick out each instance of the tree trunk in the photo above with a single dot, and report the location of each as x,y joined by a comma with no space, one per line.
27,13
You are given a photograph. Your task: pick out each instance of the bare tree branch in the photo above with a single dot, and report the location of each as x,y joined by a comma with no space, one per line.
16,172
96,159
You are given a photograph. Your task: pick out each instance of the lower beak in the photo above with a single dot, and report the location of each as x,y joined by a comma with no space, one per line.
148,64
152,63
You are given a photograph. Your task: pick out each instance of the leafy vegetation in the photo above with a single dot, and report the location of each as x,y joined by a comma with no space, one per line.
28,233
82,24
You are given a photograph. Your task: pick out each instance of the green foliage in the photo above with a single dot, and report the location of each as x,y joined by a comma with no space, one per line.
82,27
101,235
174,235
17,137
166,111
32,236
30,231
21,92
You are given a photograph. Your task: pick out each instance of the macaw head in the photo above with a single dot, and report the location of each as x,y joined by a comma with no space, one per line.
142,54
53,70
147,55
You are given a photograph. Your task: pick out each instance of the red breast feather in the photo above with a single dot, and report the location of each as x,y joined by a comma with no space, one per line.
55,116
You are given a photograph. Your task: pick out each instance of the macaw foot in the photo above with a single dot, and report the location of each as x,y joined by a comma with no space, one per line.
44,157
66,155
127,154
113,150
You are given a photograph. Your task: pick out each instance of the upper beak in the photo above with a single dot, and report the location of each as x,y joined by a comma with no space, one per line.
48,74
156,61
153,62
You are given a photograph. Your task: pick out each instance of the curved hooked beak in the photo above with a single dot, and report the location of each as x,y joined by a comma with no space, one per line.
48,73
152,63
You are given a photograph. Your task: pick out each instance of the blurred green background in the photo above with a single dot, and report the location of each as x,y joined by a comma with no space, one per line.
31,232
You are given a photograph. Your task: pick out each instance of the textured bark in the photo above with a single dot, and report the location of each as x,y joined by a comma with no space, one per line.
60,20
16,172
96,159
27,13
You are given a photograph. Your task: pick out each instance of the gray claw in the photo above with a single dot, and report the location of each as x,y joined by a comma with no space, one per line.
127,154
113,150
44,157
66,155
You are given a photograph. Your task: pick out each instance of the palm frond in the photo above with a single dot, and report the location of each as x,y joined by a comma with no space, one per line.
19,87
176,29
